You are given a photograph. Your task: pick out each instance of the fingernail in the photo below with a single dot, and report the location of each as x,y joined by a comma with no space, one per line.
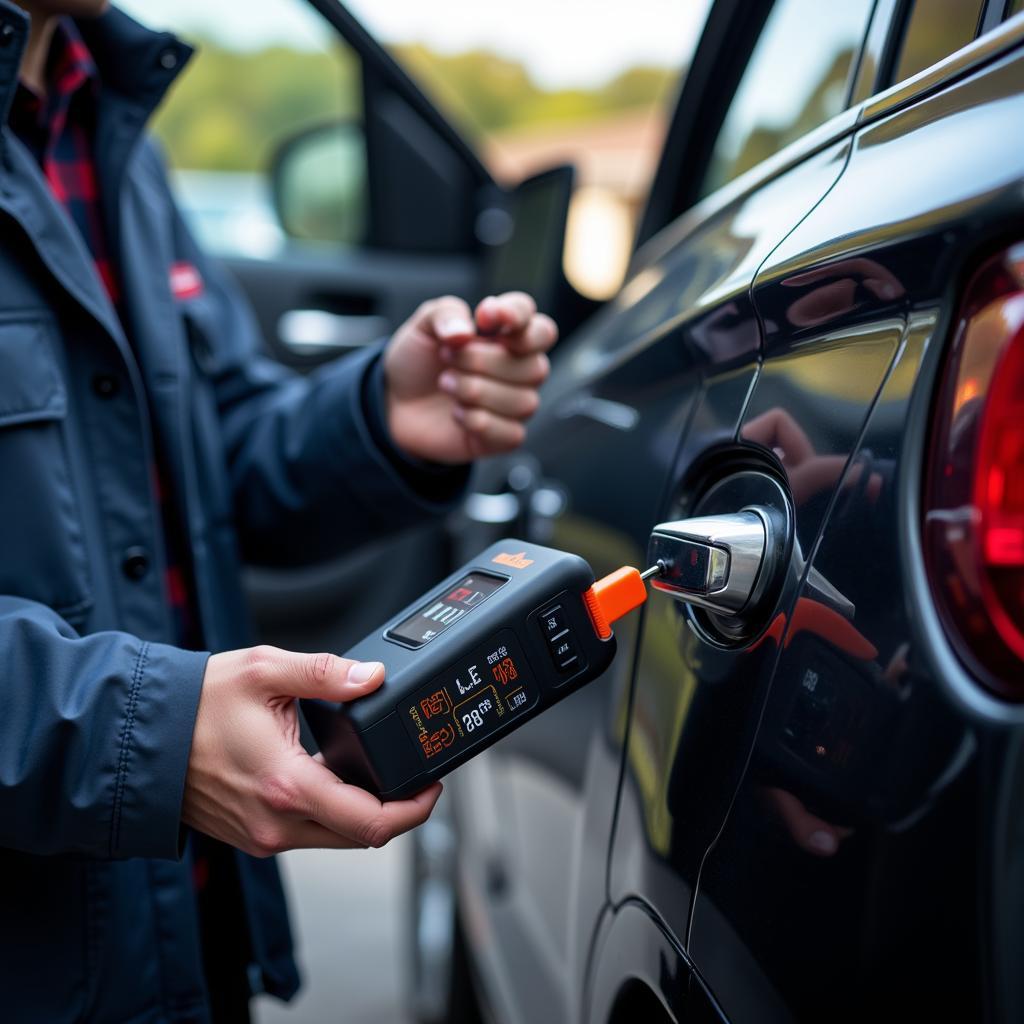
456,325
363,671
447,381
823,842
458,412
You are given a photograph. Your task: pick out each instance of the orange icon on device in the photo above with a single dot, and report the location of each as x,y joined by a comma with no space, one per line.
516,561
436,704
434,743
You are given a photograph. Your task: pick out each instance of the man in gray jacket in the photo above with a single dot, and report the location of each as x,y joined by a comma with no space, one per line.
146,448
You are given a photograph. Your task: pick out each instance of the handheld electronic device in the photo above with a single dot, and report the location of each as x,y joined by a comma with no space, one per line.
506,636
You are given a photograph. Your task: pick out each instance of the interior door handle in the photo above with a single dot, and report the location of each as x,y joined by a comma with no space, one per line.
711,561
307,331
492,509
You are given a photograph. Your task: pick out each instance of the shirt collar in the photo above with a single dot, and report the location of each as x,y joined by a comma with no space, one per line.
69,65
134,63
69,70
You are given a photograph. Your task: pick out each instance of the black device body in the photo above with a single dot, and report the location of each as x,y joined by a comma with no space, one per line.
486,650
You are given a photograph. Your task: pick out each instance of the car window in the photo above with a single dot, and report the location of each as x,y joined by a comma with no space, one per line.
263,74
797,78
934,29
542,83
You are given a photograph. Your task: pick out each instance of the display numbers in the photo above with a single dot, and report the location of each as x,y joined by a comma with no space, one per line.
474,718
471,699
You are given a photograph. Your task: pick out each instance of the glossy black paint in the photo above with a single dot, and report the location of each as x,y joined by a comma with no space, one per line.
869,791
822,819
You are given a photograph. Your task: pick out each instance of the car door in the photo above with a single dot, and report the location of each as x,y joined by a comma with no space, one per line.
848,857
676,352
697,677
340,199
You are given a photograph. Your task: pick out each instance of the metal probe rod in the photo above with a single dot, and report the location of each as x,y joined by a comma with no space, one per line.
653,571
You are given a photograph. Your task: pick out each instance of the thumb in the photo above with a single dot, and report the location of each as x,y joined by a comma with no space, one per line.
279,673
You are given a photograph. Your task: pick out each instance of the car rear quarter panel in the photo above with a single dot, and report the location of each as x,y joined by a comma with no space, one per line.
863,738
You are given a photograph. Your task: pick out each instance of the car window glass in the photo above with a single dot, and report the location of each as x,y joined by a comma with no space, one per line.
934,30
796,79
541,83
263,74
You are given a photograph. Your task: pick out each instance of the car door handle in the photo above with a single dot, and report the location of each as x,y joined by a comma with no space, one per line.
544,503
308,331
492,509
711,561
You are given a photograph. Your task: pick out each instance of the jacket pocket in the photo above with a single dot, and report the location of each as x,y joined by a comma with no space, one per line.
42,549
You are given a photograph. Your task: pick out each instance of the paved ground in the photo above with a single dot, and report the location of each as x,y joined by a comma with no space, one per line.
347,907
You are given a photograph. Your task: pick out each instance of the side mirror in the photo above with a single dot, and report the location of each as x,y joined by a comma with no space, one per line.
529,256
319,184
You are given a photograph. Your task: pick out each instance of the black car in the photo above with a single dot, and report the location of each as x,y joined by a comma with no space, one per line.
813,808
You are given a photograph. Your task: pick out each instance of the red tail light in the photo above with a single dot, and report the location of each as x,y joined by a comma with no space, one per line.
974,497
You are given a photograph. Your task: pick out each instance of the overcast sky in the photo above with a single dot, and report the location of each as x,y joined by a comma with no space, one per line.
562,42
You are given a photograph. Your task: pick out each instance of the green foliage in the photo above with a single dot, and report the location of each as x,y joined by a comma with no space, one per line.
491,93
230,109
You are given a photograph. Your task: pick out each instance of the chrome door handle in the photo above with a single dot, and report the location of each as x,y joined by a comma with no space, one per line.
711,561
308,331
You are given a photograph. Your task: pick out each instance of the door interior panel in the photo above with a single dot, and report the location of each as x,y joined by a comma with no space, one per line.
357,282
314,302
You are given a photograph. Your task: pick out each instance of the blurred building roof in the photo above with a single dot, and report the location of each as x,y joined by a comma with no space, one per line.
618,152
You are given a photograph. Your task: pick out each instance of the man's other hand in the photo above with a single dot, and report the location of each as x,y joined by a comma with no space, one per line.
250,783
461,385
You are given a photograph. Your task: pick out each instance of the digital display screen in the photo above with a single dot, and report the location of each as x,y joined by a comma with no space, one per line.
477,695
434,618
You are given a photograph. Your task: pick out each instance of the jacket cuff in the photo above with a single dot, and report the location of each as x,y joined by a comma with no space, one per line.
390,489
156,740
434,482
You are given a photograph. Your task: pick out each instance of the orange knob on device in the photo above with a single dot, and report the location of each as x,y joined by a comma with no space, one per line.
613,596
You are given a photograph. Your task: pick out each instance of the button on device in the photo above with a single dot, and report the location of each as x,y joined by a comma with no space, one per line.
136,563
564,653
553,621
106,385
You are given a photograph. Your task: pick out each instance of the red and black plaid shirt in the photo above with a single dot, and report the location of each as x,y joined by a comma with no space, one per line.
59,131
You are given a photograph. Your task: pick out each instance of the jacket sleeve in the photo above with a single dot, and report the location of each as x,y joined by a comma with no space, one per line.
95,735
312,470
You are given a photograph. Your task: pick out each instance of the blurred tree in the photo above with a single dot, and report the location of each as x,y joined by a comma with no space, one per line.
231,108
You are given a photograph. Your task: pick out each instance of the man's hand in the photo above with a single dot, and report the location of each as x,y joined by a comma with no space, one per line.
251,784
460,387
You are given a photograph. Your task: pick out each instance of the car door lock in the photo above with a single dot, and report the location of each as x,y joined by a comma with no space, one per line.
713,562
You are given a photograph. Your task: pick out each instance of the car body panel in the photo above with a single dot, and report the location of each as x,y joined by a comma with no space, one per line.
682,823
633,943
859,739
620,401
793,322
